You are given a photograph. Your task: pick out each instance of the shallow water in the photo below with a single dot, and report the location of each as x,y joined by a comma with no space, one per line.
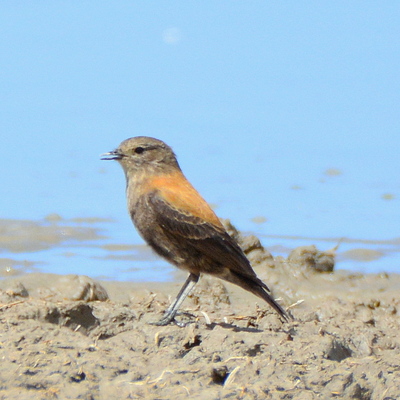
88,247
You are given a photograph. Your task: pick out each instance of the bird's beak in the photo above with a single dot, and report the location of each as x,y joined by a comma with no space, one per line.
112,155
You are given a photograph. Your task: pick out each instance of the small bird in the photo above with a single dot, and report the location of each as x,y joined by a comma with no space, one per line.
177,222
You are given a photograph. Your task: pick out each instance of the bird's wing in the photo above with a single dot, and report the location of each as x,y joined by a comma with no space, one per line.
206,236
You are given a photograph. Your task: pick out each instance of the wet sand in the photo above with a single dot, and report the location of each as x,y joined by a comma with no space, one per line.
69,337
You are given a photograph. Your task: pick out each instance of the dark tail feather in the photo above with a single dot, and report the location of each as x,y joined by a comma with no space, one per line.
260,292
260,289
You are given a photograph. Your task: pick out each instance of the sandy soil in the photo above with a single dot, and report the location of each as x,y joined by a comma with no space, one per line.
69,337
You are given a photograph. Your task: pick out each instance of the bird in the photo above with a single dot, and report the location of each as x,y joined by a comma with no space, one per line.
178,224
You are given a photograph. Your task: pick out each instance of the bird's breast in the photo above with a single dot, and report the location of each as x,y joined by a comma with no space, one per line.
177,192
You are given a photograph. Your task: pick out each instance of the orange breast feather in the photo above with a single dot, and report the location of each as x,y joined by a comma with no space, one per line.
181,195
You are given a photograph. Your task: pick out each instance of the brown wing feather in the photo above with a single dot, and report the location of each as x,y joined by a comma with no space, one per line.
206,237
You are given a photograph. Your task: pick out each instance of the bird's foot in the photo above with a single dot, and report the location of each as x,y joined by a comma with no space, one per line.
165,320
170,318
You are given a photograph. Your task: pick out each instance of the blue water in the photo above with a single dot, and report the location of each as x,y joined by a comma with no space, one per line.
284,117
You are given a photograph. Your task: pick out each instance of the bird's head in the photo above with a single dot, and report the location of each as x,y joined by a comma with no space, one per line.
143,153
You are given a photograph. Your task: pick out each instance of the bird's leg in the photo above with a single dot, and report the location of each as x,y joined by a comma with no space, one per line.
171,311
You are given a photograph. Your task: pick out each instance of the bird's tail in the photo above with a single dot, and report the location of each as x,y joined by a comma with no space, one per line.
259,288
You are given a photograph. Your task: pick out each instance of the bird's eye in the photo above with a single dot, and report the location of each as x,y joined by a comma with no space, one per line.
139,150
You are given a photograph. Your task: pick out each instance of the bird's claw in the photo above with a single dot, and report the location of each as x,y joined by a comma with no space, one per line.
168,318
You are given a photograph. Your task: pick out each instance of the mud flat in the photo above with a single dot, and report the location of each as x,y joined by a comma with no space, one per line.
69,337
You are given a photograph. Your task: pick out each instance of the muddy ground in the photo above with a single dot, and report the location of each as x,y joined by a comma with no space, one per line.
69,337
